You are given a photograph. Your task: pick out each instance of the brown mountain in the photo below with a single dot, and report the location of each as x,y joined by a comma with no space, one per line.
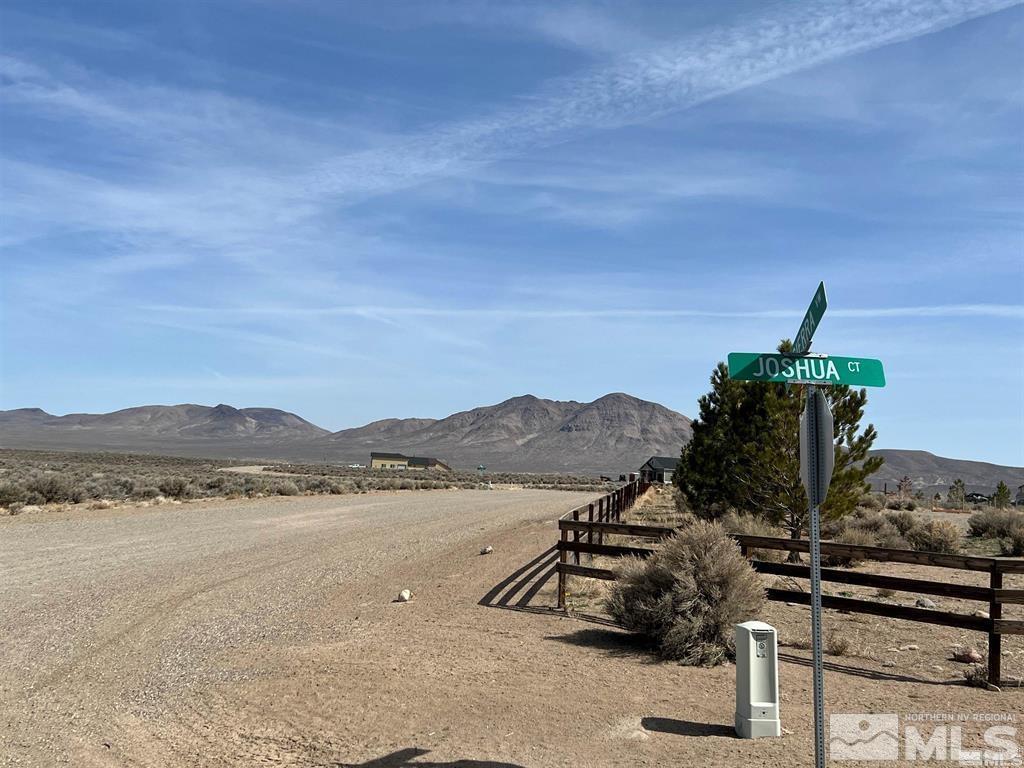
174,429
934,474
614,433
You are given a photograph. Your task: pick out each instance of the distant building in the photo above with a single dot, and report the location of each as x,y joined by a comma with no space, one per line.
1019,499
401,461
977,498
659,469
427,462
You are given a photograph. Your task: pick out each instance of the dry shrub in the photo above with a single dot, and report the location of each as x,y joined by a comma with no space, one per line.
995,523
837,644
903,521
870,501
688,595
52,488
935,536
853,536
1013,544
175,487
749,525
976,676
10,493
285,488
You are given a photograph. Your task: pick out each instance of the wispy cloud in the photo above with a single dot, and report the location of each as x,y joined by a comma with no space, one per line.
641,87
385,314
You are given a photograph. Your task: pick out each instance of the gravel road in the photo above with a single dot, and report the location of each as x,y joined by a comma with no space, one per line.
258,633
115,622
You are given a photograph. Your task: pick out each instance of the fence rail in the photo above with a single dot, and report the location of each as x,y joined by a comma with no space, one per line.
595,520
580,523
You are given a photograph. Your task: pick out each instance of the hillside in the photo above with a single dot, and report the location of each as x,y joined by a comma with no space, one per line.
934,474
174,429
614,433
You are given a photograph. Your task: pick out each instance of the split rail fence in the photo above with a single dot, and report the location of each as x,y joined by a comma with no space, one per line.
582,531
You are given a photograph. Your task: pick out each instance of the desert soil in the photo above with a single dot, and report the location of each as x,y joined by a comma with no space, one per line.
264,632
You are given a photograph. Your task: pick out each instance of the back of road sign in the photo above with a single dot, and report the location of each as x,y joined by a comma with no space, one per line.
816,434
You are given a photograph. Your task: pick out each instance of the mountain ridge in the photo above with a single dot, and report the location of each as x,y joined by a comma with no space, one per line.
612,434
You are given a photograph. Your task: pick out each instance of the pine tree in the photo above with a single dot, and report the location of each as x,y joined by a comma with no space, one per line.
905,488
1001,498
708,467
745,451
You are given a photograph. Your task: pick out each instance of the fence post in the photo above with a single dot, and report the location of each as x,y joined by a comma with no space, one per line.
561,574
995,641
590,531
576,535
602,510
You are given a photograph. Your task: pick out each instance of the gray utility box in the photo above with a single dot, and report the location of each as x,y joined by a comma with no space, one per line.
757,681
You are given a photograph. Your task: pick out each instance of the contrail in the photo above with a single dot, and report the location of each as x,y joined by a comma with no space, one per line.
641,87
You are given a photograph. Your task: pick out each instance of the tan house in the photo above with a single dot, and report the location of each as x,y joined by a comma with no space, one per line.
400,461
388,461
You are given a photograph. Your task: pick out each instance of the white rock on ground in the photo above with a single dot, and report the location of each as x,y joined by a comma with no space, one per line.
924,602
405,596
487,550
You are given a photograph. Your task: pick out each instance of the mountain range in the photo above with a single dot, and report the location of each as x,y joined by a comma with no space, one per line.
613,434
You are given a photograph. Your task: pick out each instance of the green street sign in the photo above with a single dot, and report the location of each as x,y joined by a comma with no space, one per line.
819,303
794,369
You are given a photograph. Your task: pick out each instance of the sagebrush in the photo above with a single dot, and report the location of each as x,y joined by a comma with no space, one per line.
688,595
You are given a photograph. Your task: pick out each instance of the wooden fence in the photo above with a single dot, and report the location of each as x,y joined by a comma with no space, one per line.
595,520
994,595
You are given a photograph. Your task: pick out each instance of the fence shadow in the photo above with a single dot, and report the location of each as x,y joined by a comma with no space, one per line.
517,591
869,674
405,757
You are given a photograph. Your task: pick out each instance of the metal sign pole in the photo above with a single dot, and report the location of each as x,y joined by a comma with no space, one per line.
814,459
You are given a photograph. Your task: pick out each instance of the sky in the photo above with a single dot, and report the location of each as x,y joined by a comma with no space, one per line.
356,211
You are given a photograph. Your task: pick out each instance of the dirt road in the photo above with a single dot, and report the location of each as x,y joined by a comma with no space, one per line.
124,630
263,633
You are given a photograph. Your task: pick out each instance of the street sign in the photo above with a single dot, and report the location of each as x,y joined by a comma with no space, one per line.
812,317
817,452
772,367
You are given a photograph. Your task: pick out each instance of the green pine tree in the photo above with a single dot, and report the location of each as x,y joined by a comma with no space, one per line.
745,451
1001,498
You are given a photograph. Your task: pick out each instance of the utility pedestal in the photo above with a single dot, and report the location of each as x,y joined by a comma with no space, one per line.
757,681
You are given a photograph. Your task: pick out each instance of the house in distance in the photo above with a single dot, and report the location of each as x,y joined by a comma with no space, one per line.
659,469
401,461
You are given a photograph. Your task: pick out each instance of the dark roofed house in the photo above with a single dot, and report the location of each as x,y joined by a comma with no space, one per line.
427,462
659,469
379,460
401,461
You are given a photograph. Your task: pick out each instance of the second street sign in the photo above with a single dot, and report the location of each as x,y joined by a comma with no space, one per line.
795,369
812,317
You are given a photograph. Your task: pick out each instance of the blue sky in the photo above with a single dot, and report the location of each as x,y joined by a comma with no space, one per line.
362,210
